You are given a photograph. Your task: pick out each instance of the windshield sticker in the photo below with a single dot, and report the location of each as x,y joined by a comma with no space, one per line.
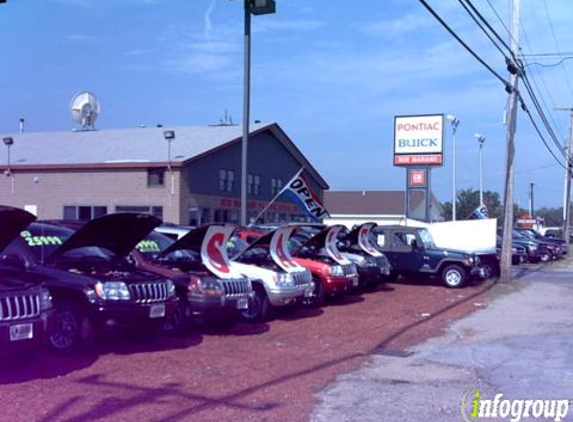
364,240
279,249
41,240
214,250
148,246
331,248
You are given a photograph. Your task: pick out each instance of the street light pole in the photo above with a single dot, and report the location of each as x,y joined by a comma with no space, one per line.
255,7
481,140
455,123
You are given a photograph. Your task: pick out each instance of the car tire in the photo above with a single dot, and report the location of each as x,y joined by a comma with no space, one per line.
71,330
545,257
454,276
178,323
259,306
490,270
317,297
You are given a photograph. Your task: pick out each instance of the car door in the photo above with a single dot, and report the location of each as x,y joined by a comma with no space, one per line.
407,258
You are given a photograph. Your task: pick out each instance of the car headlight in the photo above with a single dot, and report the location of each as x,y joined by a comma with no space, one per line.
337,270
170,288
45,300
532,248
112,290
206,286
285,279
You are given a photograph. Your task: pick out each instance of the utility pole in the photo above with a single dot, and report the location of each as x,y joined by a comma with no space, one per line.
568,175
507,239
531,203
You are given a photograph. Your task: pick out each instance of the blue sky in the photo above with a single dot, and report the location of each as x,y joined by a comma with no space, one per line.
332,73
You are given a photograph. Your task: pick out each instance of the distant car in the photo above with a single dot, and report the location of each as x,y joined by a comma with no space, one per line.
206,288
537,251
558,247
26,308
92,282
412,251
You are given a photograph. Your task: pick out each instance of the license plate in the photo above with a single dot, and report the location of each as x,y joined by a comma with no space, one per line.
21,332
354,282
157,311
243,303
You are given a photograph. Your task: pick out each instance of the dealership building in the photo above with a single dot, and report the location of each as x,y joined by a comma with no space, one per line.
190,178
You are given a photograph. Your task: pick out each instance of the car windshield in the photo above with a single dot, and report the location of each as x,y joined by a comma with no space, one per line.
44,240
154,243
427,239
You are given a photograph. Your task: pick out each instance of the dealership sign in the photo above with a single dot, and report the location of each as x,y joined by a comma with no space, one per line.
419,140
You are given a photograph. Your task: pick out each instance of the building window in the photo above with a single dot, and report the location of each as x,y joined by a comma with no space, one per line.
226,180
253,184
276,185
156,177
83,212
144,209
221,216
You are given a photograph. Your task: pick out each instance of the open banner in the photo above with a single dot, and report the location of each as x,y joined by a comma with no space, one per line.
279,250
299,191
330,245
214,250
364,240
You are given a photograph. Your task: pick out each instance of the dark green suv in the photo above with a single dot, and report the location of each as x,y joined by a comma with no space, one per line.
411,251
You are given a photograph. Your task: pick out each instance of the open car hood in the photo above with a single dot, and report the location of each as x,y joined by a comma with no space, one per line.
119,233
12,222
360,235
210,241
277,242
327,239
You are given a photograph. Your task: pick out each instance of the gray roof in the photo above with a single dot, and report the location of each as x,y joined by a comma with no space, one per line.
371,202
135,147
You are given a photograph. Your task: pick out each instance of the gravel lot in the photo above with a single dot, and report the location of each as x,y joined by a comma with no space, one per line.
265,372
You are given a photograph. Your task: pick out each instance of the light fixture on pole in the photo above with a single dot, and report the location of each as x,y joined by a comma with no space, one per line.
481,140
455,123
169,136
255,7
8,141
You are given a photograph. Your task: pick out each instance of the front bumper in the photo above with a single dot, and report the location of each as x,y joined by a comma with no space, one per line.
287,295
217,306
129,312
369,275
40,326
340,284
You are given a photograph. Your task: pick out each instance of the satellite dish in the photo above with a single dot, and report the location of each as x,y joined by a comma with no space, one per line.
84,109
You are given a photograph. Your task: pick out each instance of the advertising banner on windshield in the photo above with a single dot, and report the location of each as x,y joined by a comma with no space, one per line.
280,251
364,240
332,248
419,140
214,250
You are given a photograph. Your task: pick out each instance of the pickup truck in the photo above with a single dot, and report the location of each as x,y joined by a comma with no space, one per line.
92,282
199,266
411,251
278,281
26,308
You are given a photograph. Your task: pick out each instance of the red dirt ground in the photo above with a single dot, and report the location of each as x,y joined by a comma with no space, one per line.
265,372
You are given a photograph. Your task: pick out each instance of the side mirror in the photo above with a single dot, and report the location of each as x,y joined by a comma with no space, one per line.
13,261
414,244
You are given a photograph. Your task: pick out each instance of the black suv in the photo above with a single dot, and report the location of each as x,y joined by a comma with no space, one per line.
25,305
411,251
92,282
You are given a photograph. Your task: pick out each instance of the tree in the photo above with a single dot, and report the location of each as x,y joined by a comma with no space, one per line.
467,201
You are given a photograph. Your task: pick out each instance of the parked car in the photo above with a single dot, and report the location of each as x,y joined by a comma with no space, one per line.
332,273
277,279
558,247
92,282
174,231
199,266
412,251
26,308
537,251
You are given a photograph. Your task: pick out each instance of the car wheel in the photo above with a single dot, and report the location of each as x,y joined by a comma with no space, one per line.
490,270
454,276
316,298
71,329
545,257
178,323
259,306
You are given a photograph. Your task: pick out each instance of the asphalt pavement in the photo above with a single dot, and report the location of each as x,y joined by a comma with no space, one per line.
519,344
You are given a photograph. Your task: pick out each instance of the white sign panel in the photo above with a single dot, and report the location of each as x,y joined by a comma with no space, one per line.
279,250
419,140
331,248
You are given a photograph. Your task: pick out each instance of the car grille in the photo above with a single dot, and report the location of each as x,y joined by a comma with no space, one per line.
236,288
16,307
302,277
148,292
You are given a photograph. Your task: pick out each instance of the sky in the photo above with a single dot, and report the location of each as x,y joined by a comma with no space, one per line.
332,73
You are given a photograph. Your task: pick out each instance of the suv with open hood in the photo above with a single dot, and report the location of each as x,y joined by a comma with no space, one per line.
332,272
25,305
198,264
277,279
94,284
412,251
